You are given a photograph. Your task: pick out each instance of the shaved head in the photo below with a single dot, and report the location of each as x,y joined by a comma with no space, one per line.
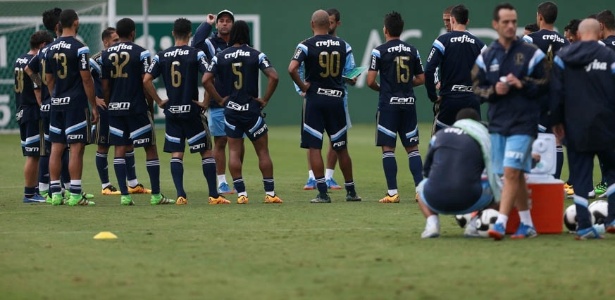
320,19
589,30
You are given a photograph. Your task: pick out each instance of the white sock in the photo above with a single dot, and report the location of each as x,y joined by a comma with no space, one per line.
433,221
526,218
392,192
43,187
67,185
221,179
243,194
272,193
133,182
329,173
502,219
106,184
311,174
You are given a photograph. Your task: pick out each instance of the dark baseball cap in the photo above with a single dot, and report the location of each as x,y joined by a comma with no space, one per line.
228,12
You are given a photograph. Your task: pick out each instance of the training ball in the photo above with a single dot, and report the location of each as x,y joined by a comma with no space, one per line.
599,210
570,218
486,220
463,220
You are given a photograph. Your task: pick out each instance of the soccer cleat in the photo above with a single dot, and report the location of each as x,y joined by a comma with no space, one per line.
587,233
219,200
610,228
160,199
600,189
36,198
225,189
352,197
138,189
471,230
86,195
321,199
332,185
591,195
310,184
241,200
181,201
524,231
57,199
273,199
568,189
498,232
390,199
126,200
79,199
110,190
430,232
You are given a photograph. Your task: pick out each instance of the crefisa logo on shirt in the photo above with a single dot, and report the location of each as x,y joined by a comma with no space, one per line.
596,65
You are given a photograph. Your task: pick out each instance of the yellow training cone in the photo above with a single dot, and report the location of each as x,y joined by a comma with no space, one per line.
105,235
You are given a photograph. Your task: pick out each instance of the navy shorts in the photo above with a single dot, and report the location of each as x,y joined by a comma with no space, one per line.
467,200
194,130
322,113
100,130
448,108
32,138
69,126
239,123
137,129
393,122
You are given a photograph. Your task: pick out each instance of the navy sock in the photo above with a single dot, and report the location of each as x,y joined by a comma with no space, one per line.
349,185
321,185
209,171
583,216
559,161
103,167
65,175
177,172
75,188
153,169
29,192
119,164
268,184
239,185
416,166
55,187
43,169
389,164
131,171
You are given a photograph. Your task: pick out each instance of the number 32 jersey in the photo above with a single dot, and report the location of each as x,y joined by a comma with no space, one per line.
124,65
398,63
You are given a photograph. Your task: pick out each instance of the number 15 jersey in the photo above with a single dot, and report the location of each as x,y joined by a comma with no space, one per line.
398,63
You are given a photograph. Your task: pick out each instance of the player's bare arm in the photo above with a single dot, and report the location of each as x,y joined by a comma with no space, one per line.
418,80
208,83
371,80
148,85
272,76
88,86
36,78
293,70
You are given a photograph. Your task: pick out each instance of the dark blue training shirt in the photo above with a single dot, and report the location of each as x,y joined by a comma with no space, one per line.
454,52
398,63
180,67
124,65
65,60
25,100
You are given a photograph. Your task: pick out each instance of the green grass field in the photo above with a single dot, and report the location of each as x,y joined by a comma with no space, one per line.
296,250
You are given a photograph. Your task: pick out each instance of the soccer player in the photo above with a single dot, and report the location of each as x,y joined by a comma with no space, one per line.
180,66
324,56
510,75
454,53
28,116
70,82
607,28
549,41
400,68
570,30
446,18
463,147
334,22
212,46
130,122
588,126
236,69
530,28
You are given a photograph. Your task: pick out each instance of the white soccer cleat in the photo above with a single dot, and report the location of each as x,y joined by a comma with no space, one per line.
430,232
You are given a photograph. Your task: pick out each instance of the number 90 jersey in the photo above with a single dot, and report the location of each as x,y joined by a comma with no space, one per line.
65,60
124,65
324,57
398,63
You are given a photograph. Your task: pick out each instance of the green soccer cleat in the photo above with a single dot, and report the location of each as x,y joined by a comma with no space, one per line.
56,199
600,189
126,200
160,199
79,199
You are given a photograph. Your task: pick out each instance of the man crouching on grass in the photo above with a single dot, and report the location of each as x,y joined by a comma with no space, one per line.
455,162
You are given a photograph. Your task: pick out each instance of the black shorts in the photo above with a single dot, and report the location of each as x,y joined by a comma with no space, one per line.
322,113
194,130
391,122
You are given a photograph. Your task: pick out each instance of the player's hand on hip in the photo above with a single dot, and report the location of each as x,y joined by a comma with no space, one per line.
163,103
101,103
262,102
223,101
200,104
307,87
